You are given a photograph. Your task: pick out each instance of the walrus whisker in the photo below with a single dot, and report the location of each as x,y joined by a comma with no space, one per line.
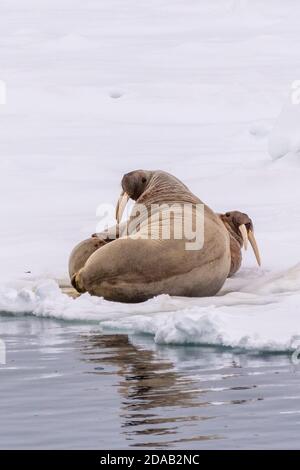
252,240
243,230
123,199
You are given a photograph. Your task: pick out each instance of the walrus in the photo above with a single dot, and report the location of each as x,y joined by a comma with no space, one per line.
125,264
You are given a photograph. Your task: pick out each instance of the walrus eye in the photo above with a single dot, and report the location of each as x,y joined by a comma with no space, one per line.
144,180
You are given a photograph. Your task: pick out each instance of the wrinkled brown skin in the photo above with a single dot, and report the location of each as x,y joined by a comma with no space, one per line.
134,270
232,220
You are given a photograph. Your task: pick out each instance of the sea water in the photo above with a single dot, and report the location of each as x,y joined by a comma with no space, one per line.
71,385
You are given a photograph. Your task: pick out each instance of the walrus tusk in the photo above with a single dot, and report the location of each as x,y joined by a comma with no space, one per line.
123,199
243,230
252,240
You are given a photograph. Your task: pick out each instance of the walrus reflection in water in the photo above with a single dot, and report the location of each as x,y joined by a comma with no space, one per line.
122,264
146,380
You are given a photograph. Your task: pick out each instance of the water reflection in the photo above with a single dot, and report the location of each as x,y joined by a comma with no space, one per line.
174,397
157,399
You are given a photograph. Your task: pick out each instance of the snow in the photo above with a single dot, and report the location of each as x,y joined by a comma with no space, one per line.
200,89
284,139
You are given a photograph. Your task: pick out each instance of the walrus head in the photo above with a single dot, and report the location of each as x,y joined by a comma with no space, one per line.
152,187
133,186
135,183
241,227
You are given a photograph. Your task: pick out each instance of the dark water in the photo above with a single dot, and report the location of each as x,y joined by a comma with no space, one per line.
71,386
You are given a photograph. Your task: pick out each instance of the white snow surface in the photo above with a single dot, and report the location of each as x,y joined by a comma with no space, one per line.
199,89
